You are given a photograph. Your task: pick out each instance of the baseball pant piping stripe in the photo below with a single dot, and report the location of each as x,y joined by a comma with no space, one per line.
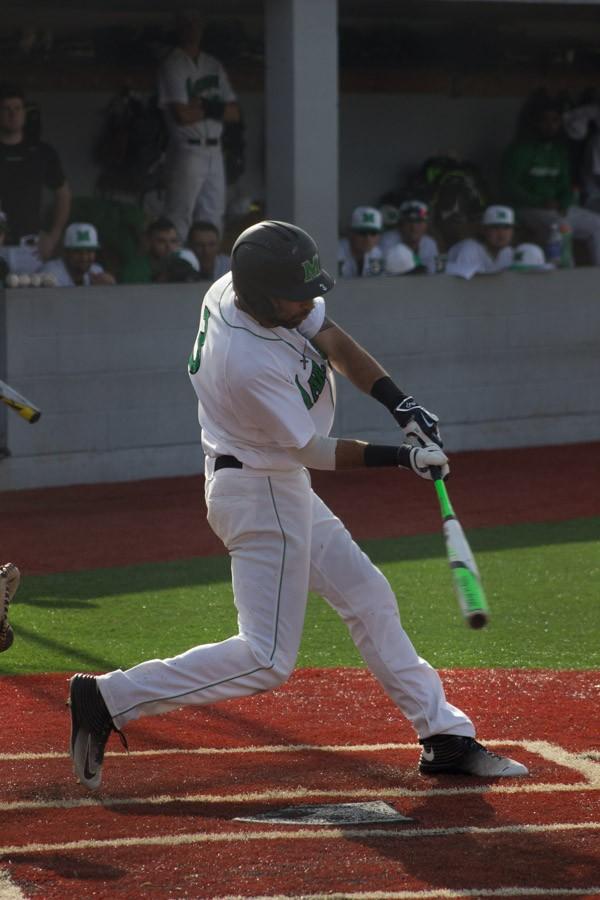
241,674
280,573
197,690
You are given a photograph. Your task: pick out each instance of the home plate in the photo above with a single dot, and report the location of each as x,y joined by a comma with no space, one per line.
330,814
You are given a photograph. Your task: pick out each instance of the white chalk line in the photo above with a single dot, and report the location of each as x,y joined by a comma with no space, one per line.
227,751
300,793
590,755
433,894
577,762
323,833
8,889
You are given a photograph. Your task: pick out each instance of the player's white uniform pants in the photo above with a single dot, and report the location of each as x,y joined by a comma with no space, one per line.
195,186
283,542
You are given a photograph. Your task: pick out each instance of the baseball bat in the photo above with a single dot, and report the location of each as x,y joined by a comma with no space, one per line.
465,574
20,404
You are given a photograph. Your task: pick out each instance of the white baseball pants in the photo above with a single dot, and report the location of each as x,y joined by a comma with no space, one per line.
283,542
195,186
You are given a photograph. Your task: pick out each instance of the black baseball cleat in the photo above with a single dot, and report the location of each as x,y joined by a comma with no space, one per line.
450,754
91,726
9,582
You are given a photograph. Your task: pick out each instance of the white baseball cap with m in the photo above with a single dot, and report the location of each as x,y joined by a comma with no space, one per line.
81,236
499,216
366,218
530,258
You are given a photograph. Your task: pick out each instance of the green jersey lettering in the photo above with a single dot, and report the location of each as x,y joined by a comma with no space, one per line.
304,394
316,383
196,87
194,360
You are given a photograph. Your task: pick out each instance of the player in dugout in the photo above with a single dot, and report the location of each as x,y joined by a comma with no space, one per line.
263,369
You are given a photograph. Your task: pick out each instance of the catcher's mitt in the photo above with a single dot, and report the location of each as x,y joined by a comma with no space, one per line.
9,582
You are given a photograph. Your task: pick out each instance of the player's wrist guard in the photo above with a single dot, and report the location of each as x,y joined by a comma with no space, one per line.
414,419
378,455
385,391
407,456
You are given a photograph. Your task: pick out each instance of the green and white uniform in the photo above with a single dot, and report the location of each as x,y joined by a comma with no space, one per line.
261,393
471,257
195,174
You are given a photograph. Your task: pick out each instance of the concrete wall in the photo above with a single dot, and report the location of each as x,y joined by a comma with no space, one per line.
509,360
505,360
107,366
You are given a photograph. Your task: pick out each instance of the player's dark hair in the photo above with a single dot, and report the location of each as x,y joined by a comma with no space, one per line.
160,224
203,226
8,91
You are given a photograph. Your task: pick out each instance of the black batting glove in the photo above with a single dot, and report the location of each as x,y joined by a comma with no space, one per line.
418,422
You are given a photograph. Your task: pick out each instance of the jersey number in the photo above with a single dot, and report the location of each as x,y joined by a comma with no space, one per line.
194,360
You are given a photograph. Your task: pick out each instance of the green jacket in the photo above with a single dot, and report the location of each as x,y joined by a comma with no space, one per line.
137,271
534,172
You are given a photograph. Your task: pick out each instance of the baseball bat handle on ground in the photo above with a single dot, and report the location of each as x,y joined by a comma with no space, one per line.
26,409
465,574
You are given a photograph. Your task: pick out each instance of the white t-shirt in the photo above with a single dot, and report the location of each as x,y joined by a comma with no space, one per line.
427,251
348,267
470,257
58,268
181,79
261,391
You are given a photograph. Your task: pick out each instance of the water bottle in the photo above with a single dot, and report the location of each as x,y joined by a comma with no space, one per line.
554,246
440,263
566,255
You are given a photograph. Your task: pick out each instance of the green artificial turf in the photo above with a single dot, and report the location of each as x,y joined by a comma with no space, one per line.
541,581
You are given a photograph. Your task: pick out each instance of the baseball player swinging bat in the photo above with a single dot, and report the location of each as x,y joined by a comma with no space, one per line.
20,404
465,574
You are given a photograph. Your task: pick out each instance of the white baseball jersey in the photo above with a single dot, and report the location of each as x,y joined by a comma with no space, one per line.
348,267
470,257
58,268
182,79
427,251
261,391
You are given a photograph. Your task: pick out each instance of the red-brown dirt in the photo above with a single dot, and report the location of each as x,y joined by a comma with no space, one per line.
103,525
198,796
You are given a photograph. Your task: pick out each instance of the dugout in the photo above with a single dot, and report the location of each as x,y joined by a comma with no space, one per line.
329,124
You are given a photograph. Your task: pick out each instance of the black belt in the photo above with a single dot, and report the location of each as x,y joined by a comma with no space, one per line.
209,142
227,462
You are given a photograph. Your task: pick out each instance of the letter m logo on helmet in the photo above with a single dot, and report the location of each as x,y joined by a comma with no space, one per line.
312,268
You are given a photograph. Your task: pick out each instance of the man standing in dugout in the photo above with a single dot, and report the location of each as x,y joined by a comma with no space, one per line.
197,97
27,166
262,367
